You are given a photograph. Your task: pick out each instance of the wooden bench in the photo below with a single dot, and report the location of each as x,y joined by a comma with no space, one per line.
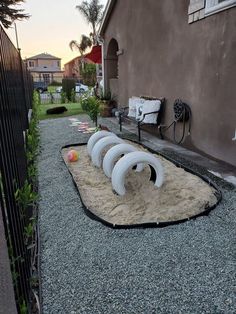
149,127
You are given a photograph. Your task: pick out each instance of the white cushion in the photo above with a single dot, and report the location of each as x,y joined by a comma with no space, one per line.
132,108
138,104
150,106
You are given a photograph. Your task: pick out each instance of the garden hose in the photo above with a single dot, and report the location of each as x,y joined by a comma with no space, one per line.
183,114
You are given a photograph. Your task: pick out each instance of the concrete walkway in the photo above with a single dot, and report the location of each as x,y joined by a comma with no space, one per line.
219,169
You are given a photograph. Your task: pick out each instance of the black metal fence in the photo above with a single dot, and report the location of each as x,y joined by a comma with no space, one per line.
15,101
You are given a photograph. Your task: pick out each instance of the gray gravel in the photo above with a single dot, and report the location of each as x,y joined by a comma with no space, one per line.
88,268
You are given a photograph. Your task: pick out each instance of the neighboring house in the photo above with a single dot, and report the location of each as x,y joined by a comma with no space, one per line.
177,49
72,68
45,67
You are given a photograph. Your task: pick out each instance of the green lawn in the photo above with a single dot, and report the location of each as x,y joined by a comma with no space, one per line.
52,89
72,109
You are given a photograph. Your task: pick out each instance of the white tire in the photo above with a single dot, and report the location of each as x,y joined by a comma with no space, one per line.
96,137
127,162
99,147
114,153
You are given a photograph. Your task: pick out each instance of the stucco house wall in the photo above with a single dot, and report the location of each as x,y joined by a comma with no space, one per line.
50,63
161,54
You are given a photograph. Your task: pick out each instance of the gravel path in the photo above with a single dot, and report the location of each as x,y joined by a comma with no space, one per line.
88,268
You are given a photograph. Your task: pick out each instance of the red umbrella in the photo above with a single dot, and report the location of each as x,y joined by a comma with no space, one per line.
95,54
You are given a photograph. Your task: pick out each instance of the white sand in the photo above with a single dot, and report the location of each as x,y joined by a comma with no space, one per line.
182,195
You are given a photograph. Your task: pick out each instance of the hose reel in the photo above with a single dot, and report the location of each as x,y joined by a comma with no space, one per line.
182,113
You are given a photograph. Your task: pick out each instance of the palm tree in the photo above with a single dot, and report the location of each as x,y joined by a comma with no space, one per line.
9,12
93,12
85,42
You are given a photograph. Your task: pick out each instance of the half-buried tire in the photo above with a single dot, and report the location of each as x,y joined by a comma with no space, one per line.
127,162
114,153
95,138
100,146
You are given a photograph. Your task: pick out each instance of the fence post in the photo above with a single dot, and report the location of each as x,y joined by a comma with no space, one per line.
7,297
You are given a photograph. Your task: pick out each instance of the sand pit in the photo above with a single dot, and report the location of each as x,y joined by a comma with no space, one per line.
182,196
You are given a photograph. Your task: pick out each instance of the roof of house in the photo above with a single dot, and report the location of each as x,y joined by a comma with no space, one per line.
106,16
78,57
44,55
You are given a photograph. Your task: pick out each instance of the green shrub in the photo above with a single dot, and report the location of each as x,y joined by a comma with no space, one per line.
25,197
73,96
89,74
107,95
63,97
67,86
33,132
91,105
54,83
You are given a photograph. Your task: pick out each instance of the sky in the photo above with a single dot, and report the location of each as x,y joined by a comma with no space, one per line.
52,25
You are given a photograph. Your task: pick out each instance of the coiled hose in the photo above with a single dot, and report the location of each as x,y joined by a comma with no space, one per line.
183,114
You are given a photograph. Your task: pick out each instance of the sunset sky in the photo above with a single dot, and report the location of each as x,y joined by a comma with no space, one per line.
52,25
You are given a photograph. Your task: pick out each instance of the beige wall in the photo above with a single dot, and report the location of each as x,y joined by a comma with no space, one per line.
166,56
49,63
45,62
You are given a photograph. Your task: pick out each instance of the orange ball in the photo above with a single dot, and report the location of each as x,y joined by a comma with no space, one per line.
73,155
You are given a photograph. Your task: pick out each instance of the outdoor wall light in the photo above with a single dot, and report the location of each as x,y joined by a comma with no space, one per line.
120,52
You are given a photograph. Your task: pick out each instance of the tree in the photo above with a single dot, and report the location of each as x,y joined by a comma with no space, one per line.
9,13
89,74
93,12
85,42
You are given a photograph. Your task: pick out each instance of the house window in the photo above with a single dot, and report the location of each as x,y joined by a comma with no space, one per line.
214,6
199,9
31,64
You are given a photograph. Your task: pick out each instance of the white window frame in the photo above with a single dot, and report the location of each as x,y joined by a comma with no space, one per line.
214,6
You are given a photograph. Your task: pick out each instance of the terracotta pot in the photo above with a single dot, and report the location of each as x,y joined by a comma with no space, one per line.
106,109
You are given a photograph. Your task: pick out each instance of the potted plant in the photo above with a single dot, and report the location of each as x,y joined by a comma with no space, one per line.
108,102
91,105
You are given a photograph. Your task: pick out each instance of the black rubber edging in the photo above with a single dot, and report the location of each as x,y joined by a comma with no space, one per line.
206,212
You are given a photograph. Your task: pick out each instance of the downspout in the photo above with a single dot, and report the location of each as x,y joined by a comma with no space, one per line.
103,68
101,41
